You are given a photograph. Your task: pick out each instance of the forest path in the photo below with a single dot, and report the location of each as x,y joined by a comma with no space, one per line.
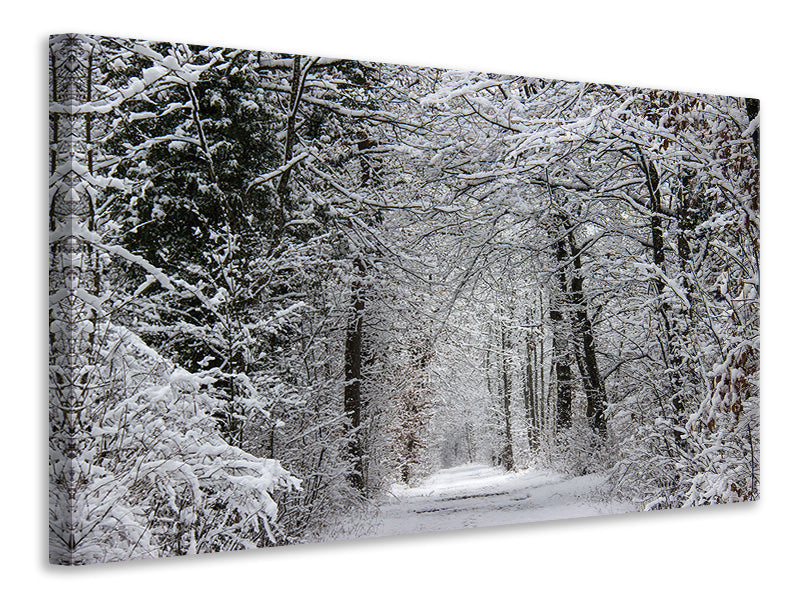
475,495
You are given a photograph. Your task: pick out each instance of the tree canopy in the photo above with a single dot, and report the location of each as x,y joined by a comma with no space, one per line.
281,284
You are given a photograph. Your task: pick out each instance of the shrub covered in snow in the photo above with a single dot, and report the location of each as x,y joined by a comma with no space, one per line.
154,477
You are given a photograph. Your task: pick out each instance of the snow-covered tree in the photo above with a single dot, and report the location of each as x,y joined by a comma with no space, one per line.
269,269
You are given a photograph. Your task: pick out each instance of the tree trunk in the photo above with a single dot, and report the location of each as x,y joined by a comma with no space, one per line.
561,342
670,350
468,440
530,384
544,393
593,384
288,151
507,456
352,373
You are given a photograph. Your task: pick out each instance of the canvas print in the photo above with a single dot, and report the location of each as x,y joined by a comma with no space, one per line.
298,299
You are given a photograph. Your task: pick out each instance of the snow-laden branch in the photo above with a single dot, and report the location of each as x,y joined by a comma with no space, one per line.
264,178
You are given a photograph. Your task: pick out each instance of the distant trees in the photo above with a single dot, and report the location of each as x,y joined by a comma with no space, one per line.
620,195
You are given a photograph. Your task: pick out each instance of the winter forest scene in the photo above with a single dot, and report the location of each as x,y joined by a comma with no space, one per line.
298,299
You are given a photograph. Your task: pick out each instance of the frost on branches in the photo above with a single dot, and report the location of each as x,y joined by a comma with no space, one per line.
156,477
301,298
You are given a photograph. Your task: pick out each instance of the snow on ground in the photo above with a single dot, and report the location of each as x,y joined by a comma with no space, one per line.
475,495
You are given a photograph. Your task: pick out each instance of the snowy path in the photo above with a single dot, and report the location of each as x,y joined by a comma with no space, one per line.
478,496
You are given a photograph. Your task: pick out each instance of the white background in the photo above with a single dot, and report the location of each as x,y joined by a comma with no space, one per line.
735,48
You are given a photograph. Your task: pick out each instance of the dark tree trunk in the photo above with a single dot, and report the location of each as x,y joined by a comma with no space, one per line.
544,407
530,384
507,456
689,205
564,396
593,384
561,342
352,373
670,348
283,190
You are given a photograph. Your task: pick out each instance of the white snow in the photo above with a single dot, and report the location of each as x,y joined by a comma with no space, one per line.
475,495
